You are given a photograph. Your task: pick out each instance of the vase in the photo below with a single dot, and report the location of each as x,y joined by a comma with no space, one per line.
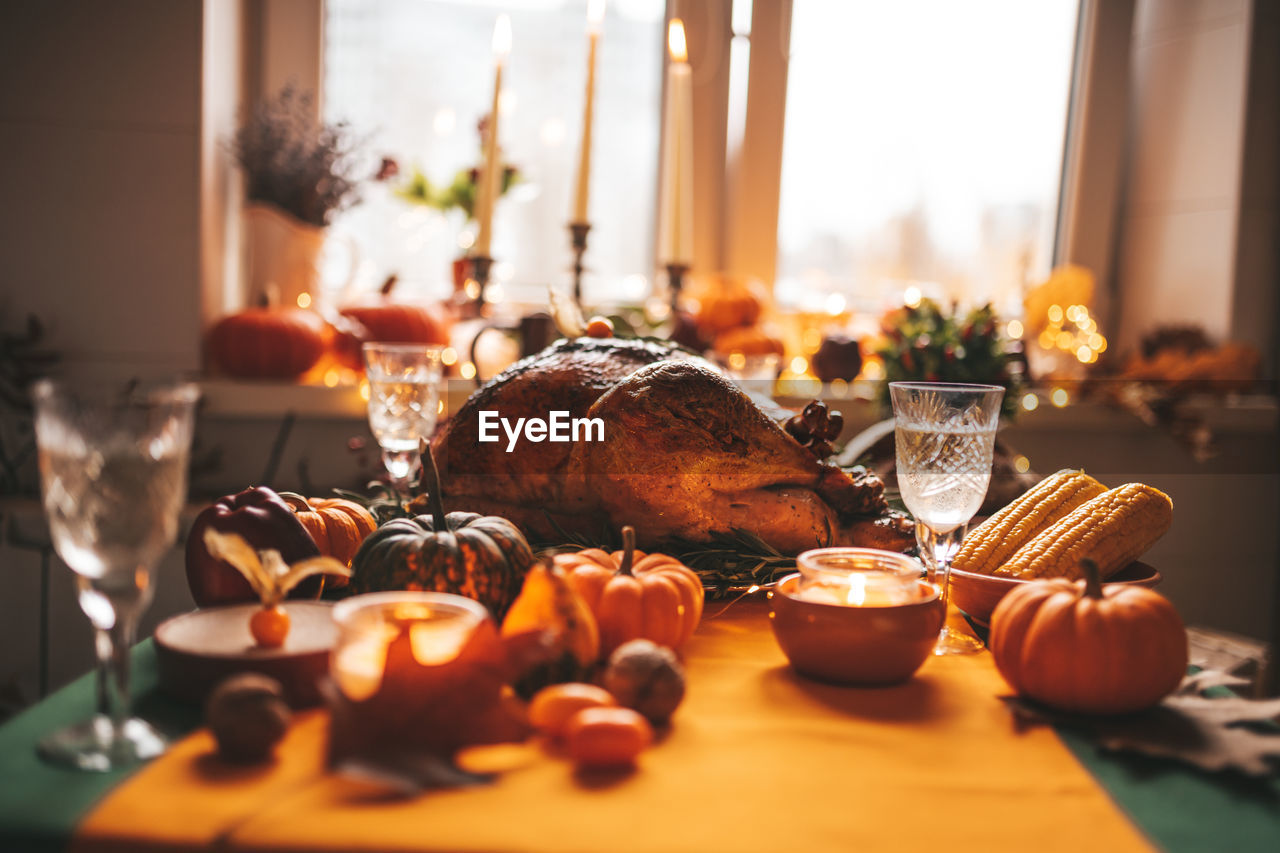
283,254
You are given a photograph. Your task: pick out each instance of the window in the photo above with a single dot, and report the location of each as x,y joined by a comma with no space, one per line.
416,77
923,145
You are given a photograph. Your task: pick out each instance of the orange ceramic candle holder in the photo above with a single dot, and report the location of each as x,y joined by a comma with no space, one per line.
881,631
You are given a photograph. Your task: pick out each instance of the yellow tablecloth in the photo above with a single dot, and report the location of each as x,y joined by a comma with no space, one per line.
758,759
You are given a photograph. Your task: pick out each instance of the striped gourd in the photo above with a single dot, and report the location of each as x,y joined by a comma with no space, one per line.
991,543
1113,530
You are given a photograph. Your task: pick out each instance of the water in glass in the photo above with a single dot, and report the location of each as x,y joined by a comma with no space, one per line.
404,399
113,473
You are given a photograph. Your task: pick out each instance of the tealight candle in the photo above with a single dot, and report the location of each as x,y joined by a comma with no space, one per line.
438,626
858,577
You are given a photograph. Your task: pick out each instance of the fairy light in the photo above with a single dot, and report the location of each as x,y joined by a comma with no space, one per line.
468,370
1073,332
304,300
364,390
737,361
836,304
448,356
911,297
1030,402
811,340
873,370
1022,464
1059,397
799,365
439,407
1014,329
332,377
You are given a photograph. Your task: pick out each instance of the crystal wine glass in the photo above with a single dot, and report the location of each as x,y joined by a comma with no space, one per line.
404,396
945,439
113,471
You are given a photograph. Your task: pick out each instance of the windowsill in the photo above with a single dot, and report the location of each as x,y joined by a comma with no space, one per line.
228,398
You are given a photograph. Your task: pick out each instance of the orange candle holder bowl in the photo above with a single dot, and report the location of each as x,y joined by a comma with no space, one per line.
869,643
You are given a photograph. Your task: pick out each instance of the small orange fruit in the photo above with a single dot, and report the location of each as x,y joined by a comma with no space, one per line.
607,737
599,327
269,626
552,707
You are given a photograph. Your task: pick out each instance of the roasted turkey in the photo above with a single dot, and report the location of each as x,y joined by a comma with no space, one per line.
685,453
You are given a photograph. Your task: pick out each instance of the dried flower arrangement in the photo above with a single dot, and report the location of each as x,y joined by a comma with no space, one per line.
305,167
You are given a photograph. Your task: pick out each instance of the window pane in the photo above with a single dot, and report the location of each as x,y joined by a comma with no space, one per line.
416,76
923,143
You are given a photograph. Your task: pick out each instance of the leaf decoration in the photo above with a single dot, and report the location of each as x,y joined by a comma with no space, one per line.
298,572
234,549
1223,734
266,571
567,314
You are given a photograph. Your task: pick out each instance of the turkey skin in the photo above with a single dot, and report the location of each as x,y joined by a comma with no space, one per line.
685,454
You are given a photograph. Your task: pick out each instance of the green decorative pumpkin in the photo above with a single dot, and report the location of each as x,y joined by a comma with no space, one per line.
483,557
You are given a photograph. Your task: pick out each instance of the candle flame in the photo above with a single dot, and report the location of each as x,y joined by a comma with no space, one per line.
595,14
675,41
857,589
502,36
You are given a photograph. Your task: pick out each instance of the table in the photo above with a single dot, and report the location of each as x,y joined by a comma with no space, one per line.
758,759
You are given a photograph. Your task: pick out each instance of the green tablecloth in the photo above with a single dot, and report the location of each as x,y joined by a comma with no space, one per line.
1180,809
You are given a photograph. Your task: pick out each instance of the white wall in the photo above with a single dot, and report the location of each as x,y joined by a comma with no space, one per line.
1180,217
99,124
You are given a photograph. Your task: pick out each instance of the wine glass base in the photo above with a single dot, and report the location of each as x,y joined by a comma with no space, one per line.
94,745
952,642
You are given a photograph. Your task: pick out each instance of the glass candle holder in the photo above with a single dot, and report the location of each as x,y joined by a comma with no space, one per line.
438,626
859,577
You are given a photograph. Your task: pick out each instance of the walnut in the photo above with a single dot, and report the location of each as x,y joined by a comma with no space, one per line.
248,716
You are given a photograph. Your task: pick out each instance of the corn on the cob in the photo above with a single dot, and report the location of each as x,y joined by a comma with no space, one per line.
991,543
1113,530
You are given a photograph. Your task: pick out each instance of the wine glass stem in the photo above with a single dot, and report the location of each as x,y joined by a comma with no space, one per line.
938,550
114,645
400,465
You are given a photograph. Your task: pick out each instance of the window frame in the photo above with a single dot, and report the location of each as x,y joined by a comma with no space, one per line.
285,43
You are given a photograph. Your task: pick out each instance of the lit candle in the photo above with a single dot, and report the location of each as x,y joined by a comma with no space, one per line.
491,171
595,14
369,625
676,197
858,577
862,589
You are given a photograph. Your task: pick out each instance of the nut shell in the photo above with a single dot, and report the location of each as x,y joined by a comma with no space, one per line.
647,678
248,717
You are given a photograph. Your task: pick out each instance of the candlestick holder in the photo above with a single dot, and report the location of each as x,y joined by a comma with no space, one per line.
675,281
480,266
578,233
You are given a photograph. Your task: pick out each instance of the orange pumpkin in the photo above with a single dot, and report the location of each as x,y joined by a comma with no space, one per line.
636,595
1080,647
727,303
749,340
337,525
267,343
395,322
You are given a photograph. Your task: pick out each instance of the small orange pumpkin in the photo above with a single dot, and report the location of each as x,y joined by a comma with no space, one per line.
726,303
636,595
748,340
337,525
267,343
1082,647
